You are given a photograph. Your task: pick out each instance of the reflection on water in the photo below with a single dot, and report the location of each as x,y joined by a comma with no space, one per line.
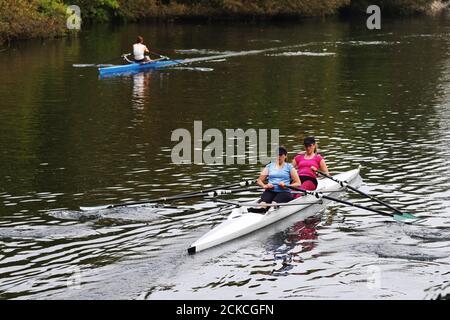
141,88
70,139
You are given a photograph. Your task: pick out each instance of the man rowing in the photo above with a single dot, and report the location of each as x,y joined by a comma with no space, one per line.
307,164
279,175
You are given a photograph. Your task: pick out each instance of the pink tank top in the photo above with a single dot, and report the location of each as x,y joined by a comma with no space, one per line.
304,165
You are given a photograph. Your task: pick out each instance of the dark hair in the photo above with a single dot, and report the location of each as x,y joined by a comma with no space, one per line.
281,151
140,39
309,140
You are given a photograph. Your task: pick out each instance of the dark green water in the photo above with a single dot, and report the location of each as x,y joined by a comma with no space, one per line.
69,138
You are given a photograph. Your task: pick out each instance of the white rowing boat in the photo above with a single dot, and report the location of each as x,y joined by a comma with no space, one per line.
241,222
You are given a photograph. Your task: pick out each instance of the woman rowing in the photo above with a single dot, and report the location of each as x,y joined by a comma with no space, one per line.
308,163
140,50
279,175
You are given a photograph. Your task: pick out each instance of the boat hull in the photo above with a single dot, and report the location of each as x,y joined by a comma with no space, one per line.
137,67
241,222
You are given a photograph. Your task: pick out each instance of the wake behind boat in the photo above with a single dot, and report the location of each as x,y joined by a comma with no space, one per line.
241,222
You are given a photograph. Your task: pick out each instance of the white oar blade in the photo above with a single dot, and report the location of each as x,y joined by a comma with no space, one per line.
96,208
83,65
91,65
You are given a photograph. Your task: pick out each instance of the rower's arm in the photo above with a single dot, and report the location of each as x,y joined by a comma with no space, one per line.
323,167
295,178
294,163
262,177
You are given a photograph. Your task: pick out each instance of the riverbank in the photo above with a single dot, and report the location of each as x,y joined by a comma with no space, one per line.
26,19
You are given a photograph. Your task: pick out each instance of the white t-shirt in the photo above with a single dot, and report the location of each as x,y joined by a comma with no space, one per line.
139,51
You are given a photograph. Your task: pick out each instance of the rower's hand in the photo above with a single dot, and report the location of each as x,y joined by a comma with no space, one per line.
282,185
314,169
268,186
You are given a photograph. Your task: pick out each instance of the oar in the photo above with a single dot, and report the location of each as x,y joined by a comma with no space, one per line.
167,58
89,65
212,192
253,204
98,65
320,195
345,184
243,183
125,57
160,55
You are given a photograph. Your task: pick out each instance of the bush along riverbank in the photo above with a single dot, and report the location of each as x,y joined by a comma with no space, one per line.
23,19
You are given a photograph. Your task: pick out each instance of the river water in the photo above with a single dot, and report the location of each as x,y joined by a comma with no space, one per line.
69,139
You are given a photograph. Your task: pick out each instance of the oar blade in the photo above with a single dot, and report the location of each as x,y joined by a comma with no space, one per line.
410,216
89,65
96,208
104,65
83,65
406,217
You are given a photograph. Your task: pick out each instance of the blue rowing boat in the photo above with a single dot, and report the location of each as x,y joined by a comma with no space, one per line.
137,67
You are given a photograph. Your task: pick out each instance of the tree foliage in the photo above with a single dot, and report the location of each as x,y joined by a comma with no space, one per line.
393,6
98,10
30,19
46,18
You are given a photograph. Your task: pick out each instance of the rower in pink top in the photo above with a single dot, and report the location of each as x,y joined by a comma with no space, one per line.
307,164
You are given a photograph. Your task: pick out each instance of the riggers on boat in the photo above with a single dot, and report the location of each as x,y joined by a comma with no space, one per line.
136,67
241,222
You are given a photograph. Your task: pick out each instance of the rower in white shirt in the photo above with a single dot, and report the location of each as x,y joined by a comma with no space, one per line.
140,50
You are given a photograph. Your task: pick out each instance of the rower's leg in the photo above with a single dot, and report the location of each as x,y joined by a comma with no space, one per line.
308,185
274,203
267,197
283,197
261,209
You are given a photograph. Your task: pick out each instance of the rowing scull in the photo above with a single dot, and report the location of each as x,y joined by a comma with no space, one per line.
241,222
136,67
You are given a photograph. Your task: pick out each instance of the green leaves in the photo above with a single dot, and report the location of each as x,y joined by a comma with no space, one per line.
97,10
21,19
46,18
393,6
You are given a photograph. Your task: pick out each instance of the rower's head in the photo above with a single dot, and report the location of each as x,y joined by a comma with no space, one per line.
310,144
282,154
139,39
